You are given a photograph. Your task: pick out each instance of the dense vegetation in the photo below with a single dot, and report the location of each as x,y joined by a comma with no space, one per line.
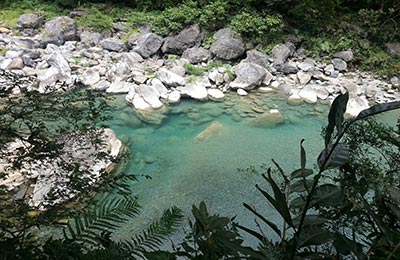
323,27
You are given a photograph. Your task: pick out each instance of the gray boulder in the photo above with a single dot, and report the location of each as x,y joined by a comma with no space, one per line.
112,44
59,30
288,68
148,44
339,64
150,95
31,20
227,47
280,53
196,55
393,49
90,38
169,78
259,58
248,76
16,64
90,77
344,55
307,64
187,38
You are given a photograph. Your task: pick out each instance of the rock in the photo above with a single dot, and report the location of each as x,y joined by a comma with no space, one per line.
210,132
268,78
294,98
147,44
322,93
248,76
306,65
187,38
59,30
159,87
120,27
344,55
268,119
16,64
227,47
223,33
169,78
90,38
353,88
329,69
30,20
241,92
194,90
131,59
196,55
371,90
393,49
118,72
4,30
280,53
288,68
395,81
259,58
216,77
150,95
303,77
112,44
90,77
355,105
308,94
215,94
102,85
174,97
120,87
58,61
292,48
339,64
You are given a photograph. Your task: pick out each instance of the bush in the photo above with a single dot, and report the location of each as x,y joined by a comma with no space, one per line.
95,20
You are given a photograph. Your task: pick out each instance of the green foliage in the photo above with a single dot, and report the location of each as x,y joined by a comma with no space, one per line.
214,64
193,70
257,26
95,20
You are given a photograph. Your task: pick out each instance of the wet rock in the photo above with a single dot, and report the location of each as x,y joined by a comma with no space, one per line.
339,64
112,44
210,132
248,76
344,55
196,55
187,38
147,44
268,119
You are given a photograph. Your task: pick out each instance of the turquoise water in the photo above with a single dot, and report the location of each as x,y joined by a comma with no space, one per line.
184,172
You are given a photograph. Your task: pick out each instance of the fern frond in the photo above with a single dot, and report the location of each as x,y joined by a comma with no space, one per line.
154,236
109,214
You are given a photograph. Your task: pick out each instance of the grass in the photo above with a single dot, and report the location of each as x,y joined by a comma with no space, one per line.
214,64
193,70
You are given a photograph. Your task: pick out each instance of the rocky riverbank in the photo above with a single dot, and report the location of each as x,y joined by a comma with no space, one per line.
154,72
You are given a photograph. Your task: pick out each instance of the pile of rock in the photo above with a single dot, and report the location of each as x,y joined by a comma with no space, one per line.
150,69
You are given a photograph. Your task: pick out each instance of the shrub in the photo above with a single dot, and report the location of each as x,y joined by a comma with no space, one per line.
95,20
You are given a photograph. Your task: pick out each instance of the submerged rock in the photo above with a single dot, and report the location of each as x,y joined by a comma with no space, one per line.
210,132
268,119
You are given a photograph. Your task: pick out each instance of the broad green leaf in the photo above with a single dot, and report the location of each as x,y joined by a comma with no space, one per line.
336,116
314,235
338,157
269,223
378,108
301,173
346,246
328,195
301,185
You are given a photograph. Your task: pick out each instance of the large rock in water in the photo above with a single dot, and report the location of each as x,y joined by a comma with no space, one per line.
210,132
187,38
248,76
50,179
227,47
59,30
268,119
147,44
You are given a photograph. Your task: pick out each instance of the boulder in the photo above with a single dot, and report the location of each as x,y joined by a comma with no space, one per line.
339,64
303,77
30,20
187,38
147,44
16,64
288,68
196,55
223,33
59,71
102,85
215,94
90,77
280,53
59,30
393,49
159,87
150,95
210,132
294,98
174,97
306,65
169,78
248,76
259,58
308,94
90,38
241,92
344,55
227,47
268,119
112,44
120,87
119,71
355,105
194,90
